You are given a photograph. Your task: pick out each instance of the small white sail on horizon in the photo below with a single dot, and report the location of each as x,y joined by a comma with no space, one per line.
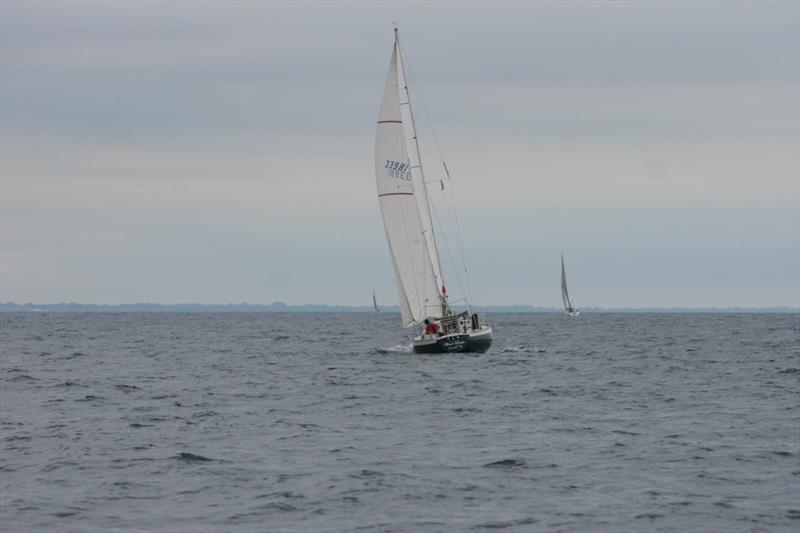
569,309
375,303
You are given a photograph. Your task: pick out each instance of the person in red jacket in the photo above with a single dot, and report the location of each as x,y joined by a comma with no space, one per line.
431,328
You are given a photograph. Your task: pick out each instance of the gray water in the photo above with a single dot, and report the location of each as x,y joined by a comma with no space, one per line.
326,422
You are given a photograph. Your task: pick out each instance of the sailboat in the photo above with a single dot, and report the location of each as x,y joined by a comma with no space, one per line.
406,210
375,303
569,309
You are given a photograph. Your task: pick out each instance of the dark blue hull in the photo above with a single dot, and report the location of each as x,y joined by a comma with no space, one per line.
463,343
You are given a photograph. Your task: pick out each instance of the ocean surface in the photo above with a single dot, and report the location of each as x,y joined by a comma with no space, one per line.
326,422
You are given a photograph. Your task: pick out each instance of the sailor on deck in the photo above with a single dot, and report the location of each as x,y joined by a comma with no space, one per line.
431,328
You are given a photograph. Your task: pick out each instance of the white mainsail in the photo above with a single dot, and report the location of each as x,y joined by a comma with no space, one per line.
403,199
564,293
415,165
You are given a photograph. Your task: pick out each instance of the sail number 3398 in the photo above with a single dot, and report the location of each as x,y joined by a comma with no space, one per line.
398,170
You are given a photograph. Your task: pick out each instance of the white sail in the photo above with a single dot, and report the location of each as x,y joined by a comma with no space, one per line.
415,163
400,199
564,293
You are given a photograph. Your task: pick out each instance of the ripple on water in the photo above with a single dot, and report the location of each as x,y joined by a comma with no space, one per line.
187,457
507,464
271,422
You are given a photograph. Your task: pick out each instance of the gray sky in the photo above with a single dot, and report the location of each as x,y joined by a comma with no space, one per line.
223,152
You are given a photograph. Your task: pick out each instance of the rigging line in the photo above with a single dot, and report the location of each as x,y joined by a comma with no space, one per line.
460,242
450,255
453,219
459,234
422,101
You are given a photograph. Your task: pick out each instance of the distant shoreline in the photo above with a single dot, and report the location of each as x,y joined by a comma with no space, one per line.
280,307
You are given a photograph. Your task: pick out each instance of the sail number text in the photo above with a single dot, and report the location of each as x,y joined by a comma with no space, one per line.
398,170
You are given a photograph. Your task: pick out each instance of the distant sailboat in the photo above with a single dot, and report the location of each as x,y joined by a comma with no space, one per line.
569,310
406,211
375,303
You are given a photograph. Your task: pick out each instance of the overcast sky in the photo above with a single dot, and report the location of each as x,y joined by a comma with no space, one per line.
223,152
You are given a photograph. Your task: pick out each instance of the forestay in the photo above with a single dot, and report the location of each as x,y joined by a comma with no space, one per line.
404,202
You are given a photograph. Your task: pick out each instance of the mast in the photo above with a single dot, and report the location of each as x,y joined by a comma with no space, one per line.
418,175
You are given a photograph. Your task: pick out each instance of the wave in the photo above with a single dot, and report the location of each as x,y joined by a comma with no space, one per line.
397,348
192,458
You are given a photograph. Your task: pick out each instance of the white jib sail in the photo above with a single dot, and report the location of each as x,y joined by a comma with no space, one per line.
417,284
415,162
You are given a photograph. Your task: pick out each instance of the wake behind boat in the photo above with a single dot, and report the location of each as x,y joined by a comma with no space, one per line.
569,309
406,211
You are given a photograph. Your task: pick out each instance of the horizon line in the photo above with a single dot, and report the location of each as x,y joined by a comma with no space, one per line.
311,307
